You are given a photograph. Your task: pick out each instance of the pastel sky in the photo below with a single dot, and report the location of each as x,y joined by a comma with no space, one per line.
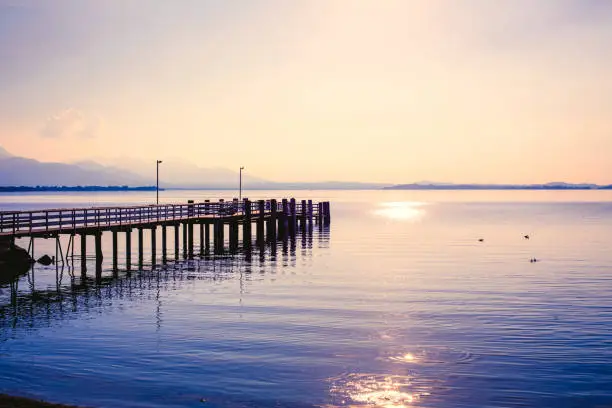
297,90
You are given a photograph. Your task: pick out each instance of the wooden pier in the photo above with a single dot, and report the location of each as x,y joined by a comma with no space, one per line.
273,219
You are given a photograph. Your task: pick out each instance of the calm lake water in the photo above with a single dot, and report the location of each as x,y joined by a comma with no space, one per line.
397,304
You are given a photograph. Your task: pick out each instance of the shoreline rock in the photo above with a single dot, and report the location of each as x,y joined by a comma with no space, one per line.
14,261
20,402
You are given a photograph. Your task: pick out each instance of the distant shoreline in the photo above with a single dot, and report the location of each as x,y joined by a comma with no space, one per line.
499,187
27,189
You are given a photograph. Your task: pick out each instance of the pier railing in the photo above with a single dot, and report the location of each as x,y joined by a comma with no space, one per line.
71,219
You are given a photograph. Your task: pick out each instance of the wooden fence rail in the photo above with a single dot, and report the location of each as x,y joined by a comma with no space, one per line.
68,220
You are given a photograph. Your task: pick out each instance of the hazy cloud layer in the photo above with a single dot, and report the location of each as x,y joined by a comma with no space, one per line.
71,123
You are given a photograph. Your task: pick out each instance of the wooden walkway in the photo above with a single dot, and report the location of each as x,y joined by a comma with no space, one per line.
272,218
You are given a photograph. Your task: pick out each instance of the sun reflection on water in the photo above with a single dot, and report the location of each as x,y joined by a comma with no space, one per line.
401,210
377,390
428,355
408,357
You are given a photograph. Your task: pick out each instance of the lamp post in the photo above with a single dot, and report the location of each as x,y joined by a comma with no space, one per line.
157,185
240,188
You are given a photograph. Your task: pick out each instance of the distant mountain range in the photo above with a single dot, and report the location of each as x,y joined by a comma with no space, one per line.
174,174
19,171
452,186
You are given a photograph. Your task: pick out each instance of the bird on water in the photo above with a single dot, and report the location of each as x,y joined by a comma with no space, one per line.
481,240
526,237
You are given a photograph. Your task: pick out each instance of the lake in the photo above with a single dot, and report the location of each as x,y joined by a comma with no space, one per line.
397,304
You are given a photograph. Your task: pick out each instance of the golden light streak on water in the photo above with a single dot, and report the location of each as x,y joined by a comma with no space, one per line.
401,210
378,390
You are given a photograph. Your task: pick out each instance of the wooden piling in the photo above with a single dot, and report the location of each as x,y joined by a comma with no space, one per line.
115,254
261,213
176,240
246,224
185,240
272,220
153,245
219,236
164,243
83,253
292,216
98,240
310,211
303,210
99,255
128,249
201,238
283,219
319,212
233,236
190,239
140,247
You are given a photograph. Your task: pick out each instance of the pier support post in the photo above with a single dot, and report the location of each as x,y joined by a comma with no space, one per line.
185,242
326,213
128,249
115,254
153,245
176,241
292,217
233,236
310,211
99,256
201,238
190,238
261,213
221,236
246,225
303,209
83,253
140,248
219,239
272,220
283,222
164,243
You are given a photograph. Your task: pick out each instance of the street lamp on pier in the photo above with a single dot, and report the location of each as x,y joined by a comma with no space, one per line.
157,185
240,188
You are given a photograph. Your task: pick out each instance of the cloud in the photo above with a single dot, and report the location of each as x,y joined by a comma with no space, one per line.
71,123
